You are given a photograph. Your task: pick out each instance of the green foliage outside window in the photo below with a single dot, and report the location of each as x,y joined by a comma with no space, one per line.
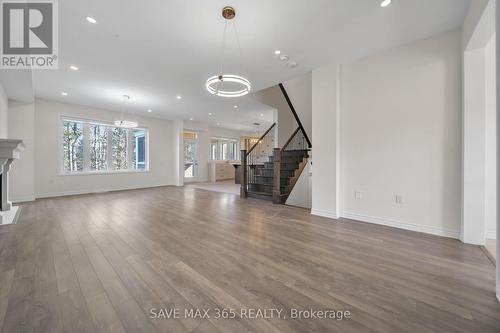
73,146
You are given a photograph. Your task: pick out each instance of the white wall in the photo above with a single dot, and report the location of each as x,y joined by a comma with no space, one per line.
476,10
474,182
49,181
400,135
474,148
491,143
325,139
286,123
3,113
299,90
178,151
301,195
497,67
21,123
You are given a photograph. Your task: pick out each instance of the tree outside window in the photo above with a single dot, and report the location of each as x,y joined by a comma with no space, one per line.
73,146
98,147
119,146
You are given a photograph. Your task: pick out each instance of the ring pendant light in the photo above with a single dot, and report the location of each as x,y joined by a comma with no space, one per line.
213,83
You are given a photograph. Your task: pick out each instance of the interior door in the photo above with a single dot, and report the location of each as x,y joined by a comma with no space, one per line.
190,160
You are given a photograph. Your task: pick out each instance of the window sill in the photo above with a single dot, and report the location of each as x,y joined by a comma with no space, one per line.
101,173
224,161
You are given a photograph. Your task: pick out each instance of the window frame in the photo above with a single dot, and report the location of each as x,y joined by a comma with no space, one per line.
86,148
220,141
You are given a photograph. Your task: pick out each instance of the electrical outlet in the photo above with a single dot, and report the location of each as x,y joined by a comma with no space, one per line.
399,199
357,195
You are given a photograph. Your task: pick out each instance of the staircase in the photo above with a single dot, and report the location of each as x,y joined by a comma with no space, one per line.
291,165
270,173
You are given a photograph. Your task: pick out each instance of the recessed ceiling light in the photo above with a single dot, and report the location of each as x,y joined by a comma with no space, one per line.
149,110
236,106
73,67
91,20
277,52
210,113
64,93
179,97
385,3
262,115
284,58
191,118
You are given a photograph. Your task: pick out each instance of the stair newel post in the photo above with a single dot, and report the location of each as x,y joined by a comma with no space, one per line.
244,174
277,176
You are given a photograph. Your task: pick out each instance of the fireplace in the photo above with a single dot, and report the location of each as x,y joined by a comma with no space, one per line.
9,151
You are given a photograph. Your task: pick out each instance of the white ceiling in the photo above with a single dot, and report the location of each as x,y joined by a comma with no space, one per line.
157,49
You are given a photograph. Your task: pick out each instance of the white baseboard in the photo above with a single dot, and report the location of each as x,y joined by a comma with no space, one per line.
491,234
9,217
21,199
95,191
403,225
325,213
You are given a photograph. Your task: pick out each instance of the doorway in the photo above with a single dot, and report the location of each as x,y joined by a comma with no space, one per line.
190,160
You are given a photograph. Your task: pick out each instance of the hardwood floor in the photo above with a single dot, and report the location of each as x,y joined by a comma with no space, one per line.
109,262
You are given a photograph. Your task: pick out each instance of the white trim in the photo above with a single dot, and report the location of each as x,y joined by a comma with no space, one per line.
26,198
428,229
101,172
9,217
491,234
325,213
95,191
96,122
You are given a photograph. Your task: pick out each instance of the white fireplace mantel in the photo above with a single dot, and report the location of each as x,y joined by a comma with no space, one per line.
9,151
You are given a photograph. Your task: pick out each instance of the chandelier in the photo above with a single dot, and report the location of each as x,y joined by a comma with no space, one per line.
228,85
122,122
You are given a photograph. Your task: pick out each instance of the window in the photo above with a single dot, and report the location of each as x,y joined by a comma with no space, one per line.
119,143
224,149
190,135
139,149
98,147
213,149
190,158
93,147
73,146
232,150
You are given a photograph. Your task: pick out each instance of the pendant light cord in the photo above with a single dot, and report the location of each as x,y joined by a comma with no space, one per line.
223,51
123,108
239,48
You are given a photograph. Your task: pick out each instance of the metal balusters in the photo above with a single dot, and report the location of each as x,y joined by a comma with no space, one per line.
256,158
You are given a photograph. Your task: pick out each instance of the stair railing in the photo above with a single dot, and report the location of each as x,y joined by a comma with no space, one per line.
297,141
297,119
252,161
